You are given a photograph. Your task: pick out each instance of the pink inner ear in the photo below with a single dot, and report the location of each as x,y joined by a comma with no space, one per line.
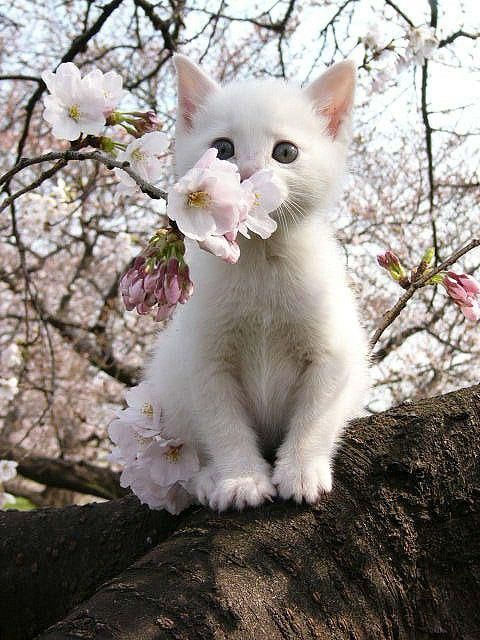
188,109
332,95
334,113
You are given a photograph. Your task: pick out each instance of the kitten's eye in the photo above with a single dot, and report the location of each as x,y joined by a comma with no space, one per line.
225,148
285,152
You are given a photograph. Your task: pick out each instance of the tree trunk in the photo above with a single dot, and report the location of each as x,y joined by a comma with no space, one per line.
393,552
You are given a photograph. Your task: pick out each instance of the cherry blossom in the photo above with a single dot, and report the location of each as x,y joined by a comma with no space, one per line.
143,156
6,498
423,43
8,470
109,85
211,205
155,464
265,193
170,461
222,247
465,292
8,388
79,105
208,200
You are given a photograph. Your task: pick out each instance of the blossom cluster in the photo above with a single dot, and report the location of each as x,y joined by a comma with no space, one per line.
158,278
465,292
8,471
462,288
209,204
156,466
79,105
392,56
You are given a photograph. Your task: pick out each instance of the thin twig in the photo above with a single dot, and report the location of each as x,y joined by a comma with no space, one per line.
69,155
392,313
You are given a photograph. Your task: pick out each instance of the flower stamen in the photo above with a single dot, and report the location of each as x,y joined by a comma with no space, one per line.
174,454
198,199
74,112
147,409
138,155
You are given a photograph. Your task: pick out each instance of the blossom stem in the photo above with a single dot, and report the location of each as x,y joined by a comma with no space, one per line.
72,155
395,311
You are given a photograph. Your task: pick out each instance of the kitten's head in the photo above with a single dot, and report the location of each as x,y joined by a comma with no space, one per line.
301,134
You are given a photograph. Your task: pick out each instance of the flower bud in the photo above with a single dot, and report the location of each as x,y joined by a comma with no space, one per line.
391,263
144,122
465,292
158,277
428,256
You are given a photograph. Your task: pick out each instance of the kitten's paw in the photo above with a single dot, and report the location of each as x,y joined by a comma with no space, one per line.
302,481
203,484
238,492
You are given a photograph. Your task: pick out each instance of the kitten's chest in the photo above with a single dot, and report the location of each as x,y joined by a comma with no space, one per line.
268,358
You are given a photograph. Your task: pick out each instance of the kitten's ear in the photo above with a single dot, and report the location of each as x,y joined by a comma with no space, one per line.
193,87
332,94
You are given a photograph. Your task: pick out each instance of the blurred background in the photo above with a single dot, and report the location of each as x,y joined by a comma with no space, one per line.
69,348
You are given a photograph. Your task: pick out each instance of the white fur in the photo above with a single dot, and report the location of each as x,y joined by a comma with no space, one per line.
269,355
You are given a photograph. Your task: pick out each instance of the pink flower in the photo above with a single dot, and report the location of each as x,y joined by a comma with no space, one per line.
74,106
465,292
170,461
155,465
144,122
220,246
391,263
208,200
388,260
143,155
265,193
173,498
155,280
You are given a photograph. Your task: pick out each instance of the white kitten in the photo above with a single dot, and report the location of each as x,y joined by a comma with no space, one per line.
268,357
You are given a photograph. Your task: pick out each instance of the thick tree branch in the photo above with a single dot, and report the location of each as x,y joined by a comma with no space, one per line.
52,559
82,477
391,553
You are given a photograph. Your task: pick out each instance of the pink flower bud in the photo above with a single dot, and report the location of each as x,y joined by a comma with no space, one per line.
392,264
465,292
158,277
145,122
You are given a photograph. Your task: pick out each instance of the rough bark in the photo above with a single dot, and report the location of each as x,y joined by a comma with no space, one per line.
393,552
54,558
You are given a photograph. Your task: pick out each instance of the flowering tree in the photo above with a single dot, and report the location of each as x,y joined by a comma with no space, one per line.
68,348
71,346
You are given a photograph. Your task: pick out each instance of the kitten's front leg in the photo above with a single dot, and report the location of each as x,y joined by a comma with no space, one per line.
236,474
329,394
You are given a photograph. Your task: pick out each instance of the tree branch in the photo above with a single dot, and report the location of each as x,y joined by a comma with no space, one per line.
391,552
52,559
69,155
395,311
82,477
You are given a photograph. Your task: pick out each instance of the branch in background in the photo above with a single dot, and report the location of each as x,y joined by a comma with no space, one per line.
395,311
67,156
98,351
81,477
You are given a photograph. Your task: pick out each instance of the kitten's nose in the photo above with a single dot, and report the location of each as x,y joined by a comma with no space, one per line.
248,170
